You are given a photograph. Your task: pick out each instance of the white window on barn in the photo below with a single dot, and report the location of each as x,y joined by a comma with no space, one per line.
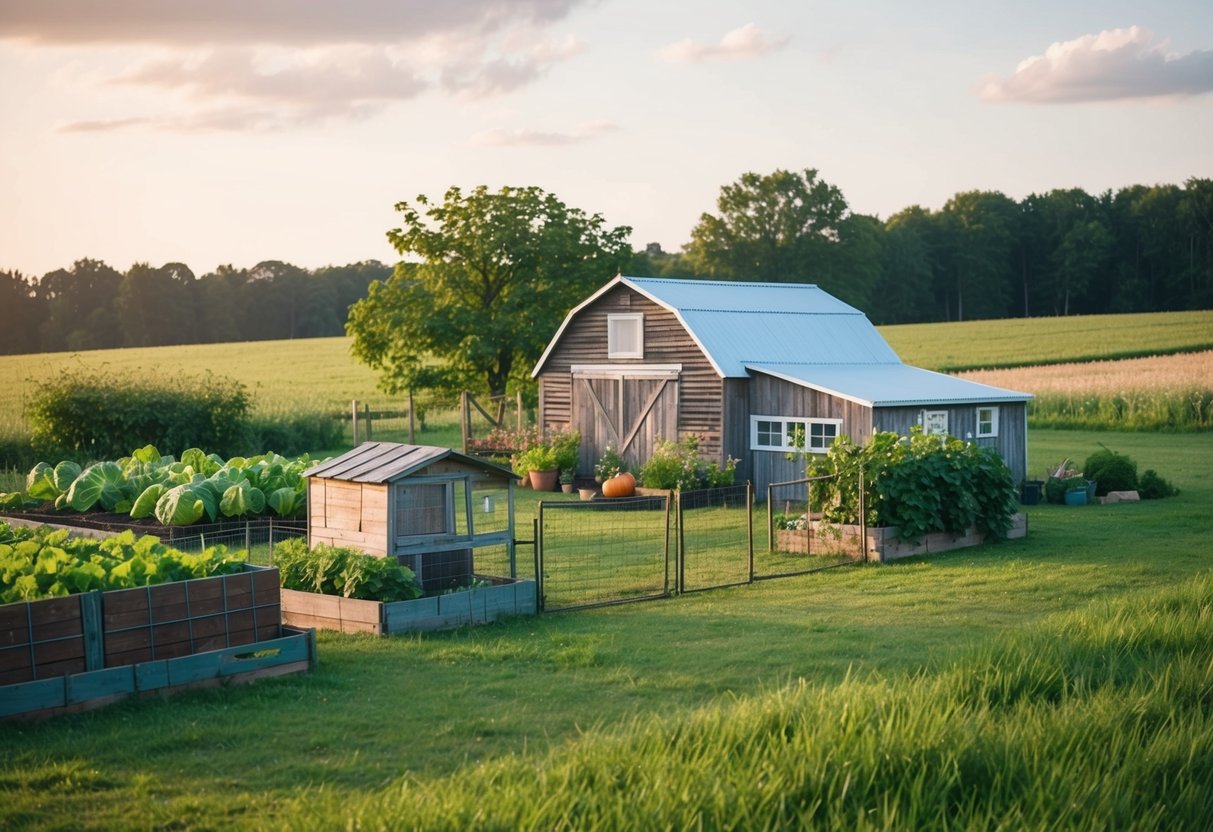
625,335
775,433
935,422
987,421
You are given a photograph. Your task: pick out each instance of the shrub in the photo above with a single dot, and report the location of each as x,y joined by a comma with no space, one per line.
1056,488
538,458
295,434
566,446
918,484
1153,487
96,415
1111,471
678,465
333,570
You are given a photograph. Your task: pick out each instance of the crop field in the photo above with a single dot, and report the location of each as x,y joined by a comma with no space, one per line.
1171,392
1020,342
1058,681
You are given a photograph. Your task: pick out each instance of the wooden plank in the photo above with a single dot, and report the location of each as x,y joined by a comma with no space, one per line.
14,624
90,614
151,675
106,683
33,696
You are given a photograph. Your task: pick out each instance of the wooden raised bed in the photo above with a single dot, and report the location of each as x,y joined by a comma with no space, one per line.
883,544
81,651
439,612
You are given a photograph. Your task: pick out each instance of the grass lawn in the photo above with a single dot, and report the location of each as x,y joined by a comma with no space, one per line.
477,709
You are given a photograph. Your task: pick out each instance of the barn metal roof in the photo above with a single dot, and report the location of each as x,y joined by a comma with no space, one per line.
797,332
380,462
889,385
735,323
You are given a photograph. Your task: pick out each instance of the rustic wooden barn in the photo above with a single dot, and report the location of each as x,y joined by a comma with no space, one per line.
746,367
429,507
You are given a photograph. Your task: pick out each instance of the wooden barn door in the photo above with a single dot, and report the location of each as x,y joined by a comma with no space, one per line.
628,409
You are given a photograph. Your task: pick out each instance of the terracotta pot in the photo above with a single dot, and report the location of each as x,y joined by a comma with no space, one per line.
545,480
566,487
621,485
587,494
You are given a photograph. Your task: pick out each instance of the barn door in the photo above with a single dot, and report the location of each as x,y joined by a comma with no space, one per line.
628,412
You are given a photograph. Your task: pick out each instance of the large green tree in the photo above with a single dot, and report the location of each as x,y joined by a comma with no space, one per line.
782,227
487,278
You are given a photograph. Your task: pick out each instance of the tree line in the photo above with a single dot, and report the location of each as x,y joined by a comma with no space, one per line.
93,306
983,255
1141,248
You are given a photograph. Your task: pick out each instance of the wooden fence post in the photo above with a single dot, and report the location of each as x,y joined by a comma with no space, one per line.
412,425
465,418
366,412
354,418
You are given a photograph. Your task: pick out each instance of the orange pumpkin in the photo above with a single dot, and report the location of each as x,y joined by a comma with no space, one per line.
620,485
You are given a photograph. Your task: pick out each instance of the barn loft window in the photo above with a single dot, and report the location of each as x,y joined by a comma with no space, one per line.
987,421
774,433
935,422
625,335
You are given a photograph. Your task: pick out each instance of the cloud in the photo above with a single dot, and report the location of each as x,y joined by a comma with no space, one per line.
1115,64
276,64
747,41
526,137
294,22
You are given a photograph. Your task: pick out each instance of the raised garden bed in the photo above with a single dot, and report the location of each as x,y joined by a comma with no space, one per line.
883,544
478,605
82,651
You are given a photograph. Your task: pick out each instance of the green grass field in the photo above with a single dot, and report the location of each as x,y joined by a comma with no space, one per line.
1019,342
1061,681
319,374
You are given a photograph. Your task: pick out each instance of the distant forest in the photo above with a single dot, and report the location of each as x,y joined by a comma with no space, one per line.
983,255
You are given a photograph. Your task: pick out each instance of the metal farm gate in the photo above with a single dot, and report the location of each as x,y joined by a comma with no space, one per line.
639,548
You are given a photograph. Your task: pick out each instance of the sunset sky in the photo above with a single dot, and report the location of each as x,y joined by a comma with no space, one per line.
235,131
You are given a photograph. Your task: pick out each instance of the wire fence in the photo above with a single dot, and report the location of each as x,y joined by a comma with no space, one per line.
715,538
603,552
257,537
799,541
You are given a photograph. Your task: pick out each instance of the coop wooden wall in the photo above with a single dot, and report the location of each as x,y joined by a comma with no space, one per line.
348,514
665,342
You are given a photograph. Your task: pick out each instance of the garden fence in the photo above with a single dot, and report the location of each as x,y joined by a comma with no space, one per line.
602,552
258,537
799,541
715,533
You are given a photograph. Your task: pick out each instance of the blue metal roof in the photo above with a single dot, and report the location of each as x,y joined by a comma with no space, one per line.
889,385
798,332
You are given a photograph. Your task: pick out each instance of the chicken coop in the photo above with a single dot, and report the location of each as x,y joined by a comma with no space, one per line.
447,516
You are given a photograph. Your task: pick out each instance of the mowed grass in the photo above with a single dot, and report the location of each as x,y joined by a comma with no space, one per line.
1061,681
1020,342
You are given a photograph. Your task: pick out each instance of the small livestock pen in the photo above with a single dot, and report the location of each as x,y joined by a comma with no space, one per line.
445,515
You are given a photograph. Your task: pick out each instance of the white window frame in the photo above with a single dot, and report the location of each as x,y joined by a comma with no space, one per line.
935,422
786,422
993,420
615,349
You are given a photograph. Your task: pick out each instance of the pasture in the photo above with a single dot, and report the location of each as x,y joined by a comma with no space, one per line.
1052,681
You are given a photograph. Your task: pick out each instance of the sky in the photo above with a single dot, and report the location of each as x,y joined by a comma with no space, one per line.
217,132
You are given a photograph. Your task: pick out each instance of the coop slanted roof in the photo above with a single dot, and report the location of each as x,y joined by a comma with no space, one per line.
736,324
888,385
380,462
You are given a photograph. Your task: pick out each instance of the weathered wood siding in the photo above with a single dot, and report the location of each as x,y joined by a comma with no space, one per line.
348,514
962,423
665,342
736,427
769,396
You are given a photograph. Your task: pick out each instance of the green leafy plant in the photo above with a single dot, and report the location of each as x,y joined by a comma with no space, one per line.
566,447
610,464
332,570
918,484
679,465
41,562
